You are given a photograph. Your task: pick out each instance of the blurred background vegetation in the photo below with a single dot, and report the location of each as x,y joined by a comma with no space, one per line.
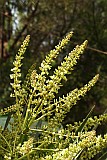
48,21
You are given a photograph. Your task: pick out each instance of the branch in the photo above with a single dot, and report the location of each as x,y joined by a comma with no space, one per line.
25,26
93,49
96,50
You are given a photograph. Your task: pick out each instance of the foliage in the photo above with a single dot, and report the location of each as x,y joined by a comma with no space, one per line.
36,130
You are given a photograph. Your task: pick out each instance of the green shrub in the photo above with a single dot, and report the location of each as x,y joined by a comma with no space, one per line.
34,130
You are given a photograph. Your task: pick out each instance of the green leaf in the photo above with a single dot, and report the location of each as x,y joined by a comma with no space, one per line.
80,129
78,155
104,156
95,127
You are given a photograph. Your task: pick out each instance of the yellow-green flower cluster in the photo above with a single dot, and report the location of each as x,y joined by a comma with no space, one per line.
74,149
51,86
27,81
7,157
65,104
41,97
16,70
26,147
95,121
66,67
46,64
36,104
96,147
40,79
8,109
92,123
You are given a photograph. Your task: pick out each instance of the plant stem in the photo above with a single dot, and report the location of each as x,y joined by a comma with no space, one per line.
6,142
